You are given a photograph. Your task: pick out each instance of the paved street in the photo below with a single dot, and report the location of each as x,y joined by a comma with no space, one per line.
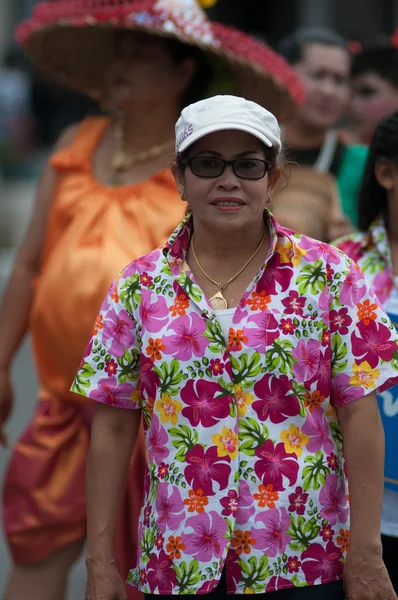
15,205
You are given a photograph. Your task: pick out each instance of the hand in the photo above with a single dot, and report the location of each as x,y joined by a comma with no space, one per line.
366,577
6,403
104,582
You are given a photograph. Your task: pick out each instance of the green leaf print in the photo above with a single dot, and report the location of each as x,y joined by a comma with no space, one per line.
372,263
246,369
339,353
186,440
170,377
337,437
82,379
252,434
279,356
315,473
215,336
190,288
313,279
148,542
130,365
254,574
187,576
302,532
130,293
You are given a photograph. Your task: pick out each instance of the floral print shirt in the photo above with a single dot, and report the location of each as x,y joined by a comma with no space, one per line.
244,450
371,251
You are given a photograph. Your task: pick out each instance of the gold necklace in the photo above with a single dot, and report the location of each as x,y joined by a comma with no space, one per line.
122,161
218,301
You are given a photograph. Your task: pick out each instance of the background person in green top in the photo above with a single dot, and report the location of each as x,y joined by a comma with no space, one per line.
323,61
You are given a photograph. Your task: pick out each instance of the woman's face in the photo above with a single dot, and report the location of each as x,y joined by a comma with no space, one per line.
324,73
144,72
373,98
207,198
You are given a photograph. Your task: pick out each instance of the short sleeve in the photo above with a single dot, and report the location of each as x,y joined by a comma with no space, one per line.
109,370
364,342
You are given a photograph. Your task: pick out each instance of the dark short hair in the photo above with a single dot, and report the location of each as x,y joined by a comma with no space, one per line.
291,47
381,59
372,200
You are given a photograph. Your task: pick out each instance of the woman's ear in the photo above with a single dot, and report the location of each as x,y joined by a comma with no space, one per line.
185,73
273,179
179,177
385,173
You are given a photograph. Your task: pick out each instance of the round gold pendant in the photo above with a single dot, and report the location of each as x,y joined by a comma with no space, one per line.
218,302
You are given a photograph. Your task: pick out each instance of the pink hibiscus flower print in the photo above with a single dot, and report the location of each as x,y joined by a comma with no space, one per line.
373,343
278,583
352,248
149,379
153,313
188,337
316,426
274,538
298,501
160,574
276,399
294,304
353,287
307,357
340,321
205,402
316,250
206,467
208,541
322,563
245,504
264,332
157,440
333,498
274,464
233,569
343,392
382,285
118,331
170,508
276,274
109,391
323,377
207,587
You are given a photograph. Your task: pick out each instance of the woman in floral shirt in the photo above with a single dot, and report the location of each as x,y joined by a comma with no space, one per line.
247,350
375,249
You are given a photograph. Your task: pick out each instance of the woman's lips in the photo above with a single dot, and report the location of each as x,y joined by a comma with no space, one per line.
228,204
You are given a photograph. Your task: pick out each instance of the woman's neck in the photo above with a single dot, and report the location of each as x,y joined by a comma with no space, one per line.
229,248
145,128
299,134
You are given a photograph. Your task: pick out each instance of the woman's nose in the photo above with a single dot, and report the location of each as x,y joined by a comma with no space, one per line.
228,180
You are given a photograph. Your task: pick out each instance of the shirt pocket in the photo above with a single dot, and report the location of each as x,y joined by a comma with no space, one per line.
298,349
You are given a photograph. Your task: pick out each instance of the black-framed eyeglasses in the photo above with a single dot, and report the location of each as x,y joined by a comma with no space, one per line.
209,167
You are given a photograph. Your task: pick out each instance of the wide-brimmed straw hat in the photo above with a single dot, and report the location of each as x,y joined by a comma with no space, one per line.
72,41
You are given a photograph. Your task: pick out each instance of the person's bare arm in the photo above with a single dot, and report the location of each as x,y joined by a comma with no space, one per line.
17,298
113,436
365,575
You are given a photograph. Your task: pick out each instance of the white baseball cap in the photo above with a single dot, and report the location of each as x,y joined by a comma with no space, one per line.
226,112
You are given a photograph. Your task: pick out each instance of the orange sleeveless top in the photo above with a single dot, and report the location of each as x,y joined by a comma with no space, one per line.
92,233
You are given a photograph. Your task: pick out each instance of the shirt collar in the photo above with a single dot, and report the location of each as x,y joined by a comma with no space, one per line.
177,247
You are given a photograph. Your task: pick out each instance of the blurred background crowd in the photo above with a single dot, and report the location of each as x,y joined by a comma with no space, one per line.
358,83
